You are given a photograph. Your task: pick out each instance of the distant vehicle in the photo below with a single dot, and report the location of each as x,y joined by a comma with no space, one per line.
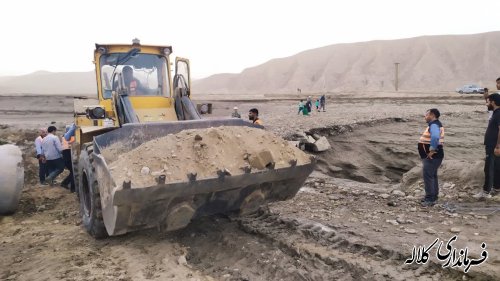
470,89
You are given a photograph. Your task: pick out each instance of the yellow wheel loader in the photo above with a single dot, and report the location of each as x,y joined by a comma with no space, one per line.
138,100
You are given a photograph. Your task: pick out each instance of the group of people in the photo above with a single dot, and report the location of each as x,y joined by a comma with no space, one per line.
430,148
306,108
253,115
54,154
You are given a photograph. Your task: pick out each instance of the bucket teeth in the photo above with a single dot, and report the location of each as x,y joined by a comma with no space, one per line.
223,172
161,179
127,184
192,176
246,169
270,165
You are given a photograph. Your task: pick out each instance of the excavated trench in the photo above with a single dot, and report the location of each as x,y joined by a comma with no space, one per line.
379,151
382,151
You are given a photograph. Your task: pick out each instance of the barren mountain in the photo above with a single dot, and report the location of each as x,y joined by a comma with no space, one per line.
428,63
50,83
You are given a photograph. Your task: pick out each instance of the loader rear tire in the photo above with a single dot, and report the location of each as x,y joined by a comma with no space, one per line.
90,199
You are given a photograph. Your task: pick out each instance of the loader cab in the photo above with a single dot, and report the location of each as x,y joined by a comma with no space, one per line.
135,84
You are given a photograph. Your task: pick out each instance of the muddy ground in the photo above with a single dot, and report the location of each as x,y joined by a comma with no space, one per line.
356,218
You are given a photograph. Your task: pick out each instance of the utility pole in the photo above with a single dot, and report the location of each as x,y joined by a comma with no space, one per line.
396,75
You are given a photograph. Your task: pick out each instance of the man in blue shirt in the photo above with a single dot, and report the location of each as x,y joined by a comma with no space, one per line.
52,151
430,148
70,132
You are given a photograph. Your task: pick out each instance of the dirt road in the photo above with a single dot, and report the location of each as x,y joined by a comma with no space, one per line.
356,218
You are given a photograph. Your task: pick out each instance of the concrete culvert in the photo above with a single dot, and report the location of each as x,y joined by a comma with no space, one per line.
11,178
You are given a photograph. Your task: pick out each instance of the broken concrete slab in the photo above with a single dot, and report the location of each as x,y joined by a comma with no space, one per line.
321,144
261,159
316,136
310,139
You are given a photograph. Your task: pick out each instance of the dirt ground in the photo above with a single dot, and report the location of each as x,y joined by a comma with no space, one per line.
356,218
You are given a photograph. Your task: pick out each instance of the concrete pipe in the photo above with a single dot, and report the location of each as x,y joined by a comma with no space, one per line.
11,178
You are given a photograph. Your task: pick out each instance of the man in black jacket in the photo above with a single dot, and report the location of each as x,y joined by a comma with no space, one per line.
492,147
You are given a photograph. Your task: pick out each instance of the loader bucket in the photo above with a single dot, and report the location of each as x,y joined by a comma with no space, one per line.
173,205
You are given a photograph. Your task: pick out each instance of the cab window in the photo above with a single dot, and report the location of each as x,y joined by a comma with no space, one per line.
148,71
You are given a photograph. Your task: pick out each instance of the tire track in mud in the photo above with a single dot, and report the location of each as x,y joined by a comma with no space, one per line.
222,249
345,255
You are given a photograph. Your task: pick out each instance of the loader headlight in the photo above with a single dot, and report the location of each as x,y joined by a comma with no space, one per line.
96,112
167,51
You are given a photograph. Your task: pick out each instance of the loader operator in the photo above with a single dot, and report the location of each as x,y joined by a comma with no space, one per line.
133,85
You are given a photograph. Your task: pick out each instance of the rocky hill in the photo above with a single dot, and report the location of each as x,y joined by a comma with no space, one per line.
428,63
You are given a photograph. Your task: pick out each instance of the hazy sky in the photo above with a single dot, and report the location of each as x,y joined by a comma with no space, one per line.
219,36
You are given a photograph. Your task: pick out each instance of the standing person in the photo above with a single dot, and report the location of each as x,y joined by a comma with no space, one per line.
430,148
70,132
301,106
317,105
42,166
253,115
66,153
309,104
486,94
322,101
492,149
305,111
52,150
235,113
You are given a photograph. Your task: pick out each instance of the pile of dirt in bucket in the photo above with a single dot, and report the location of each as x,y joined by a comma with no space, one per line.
203,152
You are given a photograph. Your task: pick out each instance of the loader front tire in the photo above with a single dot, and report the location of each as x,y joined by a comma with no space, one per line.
90,199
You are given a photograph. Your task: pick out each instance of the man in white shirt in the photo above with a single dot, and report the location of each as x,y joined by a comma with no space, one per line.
52,151
485,95
42,170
